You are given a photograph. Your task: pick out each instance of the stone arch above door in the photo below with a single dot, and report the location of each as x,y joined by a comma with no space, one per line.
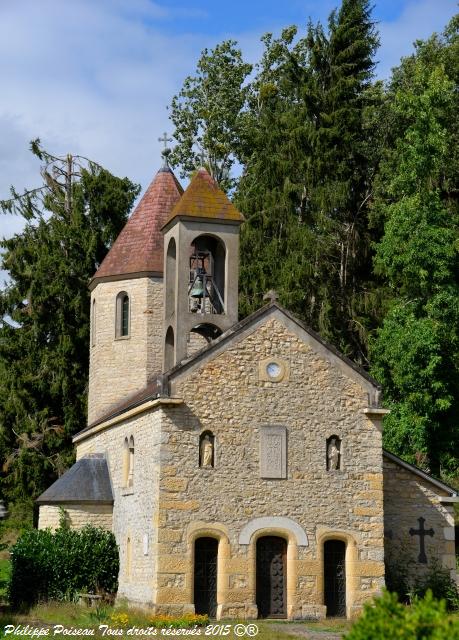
273,522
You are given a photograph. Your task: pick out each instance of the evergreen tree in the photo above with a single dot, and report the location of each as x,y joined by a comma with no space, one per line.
308,162
70,222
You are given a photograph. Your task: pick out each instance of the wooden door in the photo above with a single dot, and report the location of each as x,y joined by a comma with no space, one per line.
205,576
271,577
335,577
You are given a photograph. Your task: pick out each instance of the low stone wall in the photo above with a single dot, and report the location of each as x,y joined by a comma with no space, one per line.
78,516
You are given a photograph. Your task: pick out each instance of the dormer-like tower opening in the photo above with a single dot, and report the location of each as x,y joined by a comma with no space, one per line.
201,240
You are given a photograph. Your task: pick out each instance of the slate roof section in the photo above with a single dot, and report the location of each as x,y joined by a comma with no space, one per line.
139,247
204,199
153,390
87,481
419,472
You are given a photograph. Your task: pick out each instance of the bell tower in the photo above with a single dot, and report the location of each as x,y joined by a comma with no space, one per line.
201,265
126,302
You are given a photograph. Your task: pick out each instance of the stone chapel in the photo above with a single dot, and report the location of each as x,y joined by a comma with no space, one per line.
238,463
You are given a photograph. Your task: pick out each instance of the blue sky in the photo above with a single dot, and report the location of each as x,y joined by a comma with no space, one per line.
95,76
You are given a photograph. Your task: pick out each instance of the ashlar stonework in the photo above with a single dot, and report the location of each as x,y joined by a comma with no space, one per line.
237,450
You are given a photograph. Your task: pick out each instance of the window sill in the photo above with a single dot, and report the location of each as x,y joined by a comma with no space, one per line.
122,337
127,491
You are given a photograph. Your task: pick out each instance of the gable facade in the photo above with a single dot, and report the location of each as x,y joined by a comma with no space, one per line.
255,460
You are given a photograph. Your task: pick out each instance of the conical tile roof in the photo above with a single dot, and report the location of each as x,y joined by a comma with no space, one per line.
139,246
204,199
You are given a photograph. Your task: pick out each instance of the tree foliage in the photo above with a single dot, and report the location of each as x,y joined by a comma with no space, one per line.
70,222
415,351
207,113
388,618
349,189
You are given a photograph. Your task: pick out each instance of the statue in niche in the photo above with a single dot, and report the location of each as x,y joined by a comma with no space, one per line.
333,454
206,451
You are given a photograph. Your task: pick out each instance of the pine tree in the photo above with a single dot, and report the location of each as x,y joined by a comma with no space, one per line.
308,165
70,223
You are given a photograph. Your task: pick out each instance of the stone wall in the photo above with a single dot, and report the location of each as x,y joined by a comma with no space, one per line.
134,524
318,397
121,366
77,515
407,497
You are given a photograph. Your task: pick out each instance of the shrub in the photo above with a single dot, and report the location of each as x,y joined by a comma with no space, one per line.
47,565
425,619
403,579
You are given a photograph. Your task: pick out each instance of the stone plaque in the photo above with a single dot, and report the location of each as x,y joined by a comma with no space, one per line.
273,452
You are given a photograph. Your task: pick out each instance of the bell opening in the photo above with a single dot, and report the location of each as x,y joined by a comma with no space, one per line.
206,288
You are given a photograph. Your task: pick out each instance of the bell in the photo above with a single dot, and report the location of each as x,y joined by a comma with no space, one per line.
198,289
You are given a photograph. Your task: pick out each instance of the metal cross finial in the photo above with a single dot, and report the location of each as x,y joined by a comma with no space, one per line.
167,150
164,139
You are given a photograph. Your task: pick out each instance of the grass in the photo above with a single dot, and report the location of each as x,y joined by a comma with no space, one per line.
77,616
5,566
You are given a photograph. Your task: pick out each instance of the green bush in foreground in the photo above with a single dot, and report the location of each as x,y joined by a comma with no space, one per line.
387,618
48,565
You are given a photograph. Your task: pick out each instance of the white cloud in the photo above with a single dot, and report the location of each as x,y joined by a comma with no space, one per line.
87,77
418,20
95,77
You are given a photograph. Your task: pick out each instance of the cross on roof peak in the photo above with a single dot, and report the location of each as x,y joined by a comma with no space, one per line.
167,150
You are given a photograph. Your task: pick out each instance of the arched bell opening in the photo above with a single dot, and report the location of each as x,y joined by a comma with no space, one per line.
169,345
206,290
171,262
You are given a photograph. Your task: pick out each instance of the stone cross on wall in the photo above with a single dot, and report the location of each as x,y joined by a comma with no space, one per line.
421,532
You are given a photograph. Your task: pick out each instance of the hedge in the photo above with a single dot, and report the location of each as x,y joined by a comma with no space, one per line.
48,565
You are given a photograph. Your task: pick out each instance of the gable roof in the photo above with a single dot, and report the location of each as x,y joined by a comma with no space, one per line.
419,472
204,199
252,319
139,247
158,386
88,481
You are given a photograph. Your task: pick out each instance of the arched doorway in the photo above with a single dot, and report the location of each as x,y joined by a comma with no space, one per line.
205,576
335,578
271,577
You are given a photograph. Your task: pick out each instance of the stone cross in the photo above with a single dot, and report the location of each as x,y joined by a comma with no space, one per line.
271,296
421,532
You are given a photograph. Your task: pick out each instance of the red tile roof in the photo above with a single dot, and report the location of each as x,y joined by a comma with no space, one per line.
139,246
204,199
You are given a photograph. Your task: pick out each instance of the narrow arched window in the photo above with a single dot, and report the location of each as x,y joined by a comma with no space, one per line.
122,315
131,463
125,462
93,323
